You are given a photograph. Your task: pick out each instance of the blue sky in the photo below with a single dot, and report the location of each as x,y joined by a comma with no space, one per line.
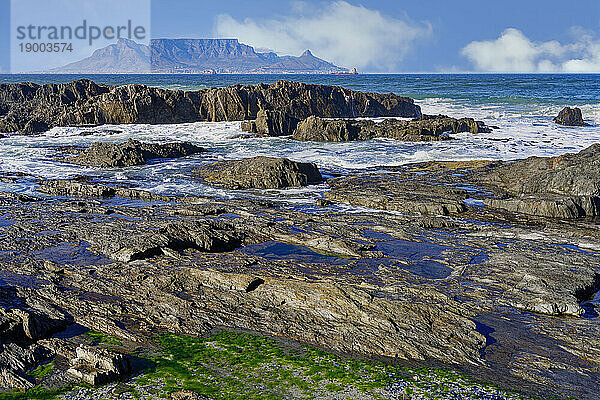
395,36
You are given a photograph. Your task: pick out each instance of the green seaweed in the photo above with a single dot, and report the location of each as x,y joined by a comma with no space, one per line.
232,366
99,337
37,393
42,370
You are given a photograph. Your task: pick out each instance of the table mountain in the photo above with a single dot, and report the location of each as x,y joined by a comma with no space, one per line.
194,56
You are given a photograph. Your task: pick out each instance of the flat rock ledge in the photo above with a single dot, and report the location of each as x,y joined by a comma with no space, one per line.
259,173
130,153
383,192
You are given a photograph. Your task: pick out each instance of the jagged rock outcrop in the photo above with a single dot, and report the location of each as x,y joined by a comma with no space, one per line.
97,366
24,321
570,117
260,173
271,123
21,321
566,186
211,237
426,128
131,153
31,108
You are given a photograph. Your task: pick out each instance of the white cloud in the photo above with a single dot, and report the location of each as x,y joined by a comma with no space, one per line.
514,52
347,35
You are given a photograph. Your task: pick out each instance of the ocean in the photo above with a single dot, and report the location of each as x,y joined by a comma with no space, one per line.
521,106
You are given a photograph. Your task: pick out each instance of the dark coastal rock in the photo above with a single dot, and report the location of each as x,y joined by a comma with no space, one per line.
33,127
382,193
427,128
271,123
25,319
31,108
76,188
260,173
22,321
571,174
566,186
549,206
320,130
130,153
570,117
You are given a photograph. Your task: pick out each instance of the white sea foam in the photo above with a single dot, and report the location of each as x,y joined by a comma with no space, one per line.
524,130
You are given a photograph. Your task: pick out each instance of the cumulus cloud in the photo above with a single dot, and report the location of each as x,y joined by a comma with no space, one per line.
347,35
512,51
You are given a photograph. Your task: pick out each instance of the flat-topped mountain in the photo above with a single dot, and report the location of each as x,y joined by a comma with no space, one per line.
194,56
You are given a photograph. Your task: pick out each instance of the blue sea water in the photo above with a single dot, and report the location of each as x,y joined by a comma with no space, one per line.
521,106
574,89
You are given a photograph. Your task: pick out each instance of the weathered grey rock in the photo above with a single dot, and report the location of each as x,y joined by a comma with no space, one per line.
566,186
260,173
427,128
76,188
15,380
25,319
22,357
381,193
271,123
97,366
204,236
131,153
31,108
551,206
25,322
320,130
570,117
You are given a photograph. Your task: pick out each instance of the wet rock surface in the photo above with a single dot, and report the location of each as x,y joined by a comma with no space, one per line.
570,117
384,192
566,186
425,268
425,128
31,108
260,173
130,153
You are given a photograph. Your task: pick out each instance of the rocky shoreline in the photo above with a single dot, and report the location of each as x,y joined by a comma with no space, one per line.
28,108
487,268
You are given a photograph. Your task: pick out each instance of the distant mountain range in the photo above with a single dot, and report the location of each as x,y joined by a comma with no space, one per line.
194,56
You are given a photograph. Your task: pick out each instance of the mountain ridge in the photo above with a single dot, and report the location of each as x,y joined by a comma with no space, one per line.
194,56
